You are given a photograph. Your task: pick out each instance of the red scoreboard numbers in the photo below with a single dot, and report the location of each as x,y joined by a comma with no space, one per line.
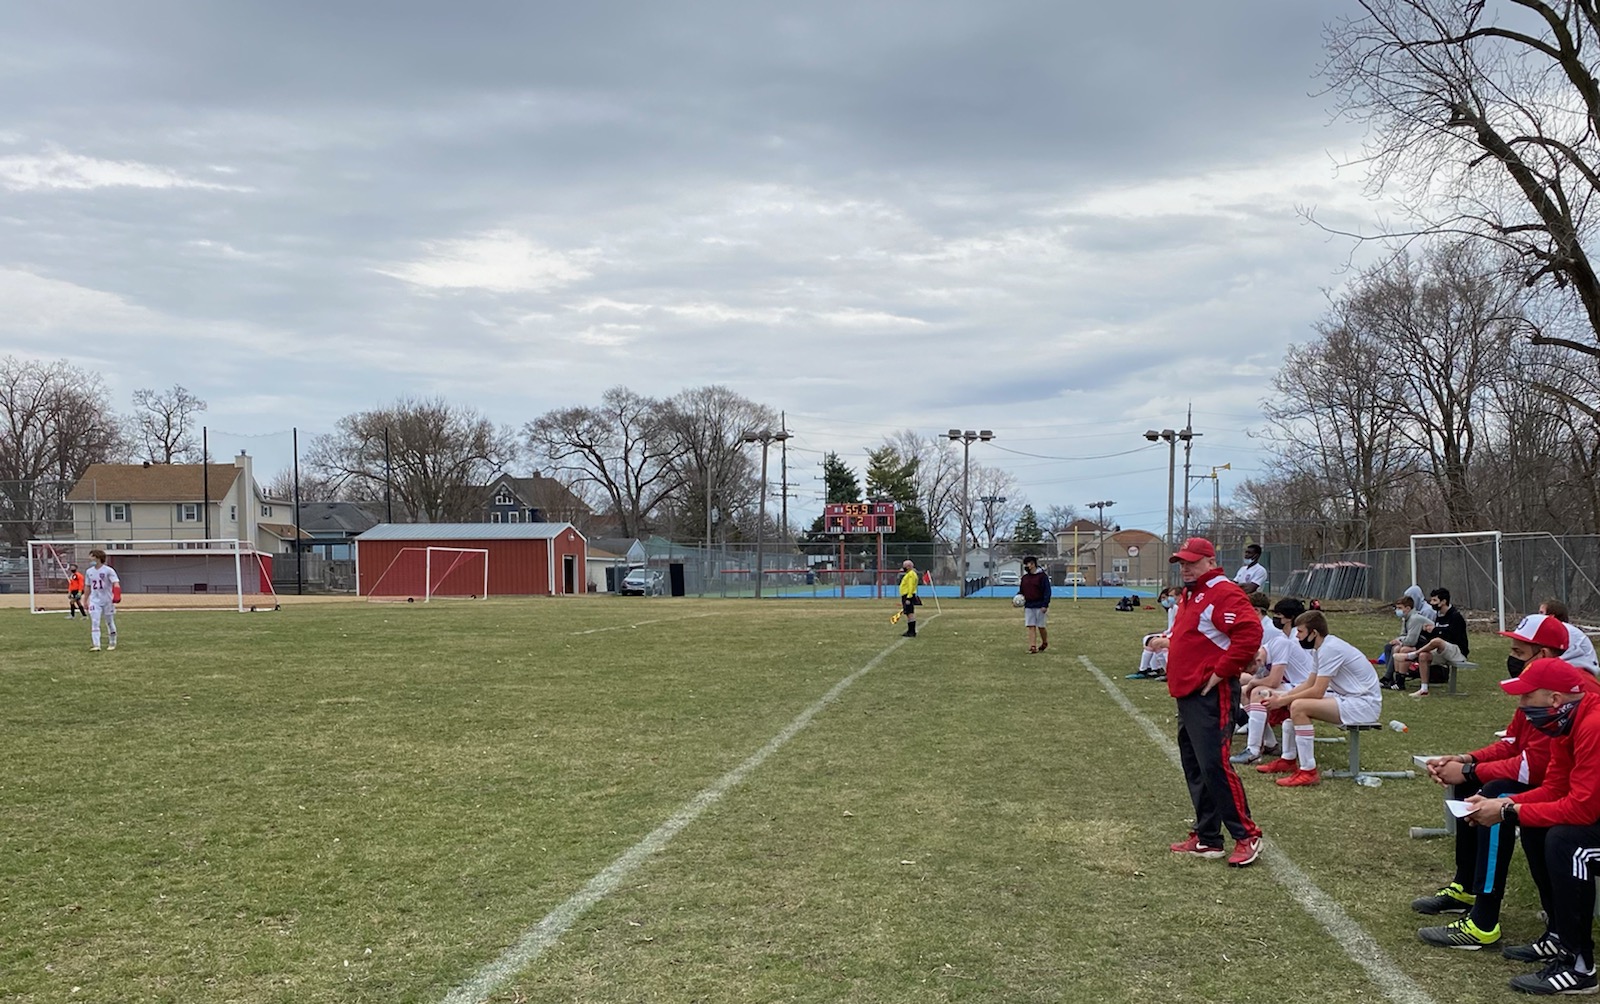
858,517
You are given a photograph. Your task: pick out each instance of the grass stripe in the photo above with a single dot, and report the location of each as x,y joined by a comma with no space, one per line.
556,923
1360,946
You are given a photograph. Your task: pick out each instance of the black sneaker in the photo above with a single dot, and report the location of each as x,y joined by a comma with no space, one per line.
1556,978
1546,949
1451,899
1462,934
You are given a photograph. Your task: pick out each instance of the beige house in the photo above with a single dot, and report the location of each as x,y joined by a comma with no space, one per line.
170,502
1131,557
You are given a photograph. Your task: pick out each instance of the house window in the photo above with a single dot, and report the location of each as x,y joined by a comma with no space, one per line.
1119,565
533,515
188,512
511,517
494,517
116,512
233,514
503,497
266,510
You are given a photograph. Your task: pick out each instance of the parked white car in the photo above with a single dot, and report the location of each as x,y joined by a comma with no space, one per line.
642,582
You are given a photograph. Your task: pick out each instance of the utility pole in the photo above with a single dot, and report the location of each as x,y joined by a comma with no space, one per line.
966,439
783,466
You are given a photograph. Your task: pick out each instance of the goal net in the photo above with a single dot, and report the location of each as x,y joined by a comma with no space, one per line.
1471,565
433,572
174,574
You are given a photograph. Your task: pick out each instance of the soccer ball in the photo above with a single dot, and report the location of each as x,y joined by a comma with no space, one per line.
1017,600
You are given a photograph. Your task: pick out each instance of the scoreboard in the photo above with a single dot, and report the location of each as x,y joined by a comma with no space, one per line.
858,517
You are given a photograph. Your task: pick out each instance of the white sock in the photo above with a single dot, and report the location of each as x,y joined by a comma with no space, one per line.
1258,722
1305,741
1144,661
1269,737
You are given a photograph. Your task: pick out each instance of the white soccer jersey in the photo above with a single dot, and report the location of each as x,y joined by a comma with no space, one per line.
1348,672
99,580
1252,573
1278,646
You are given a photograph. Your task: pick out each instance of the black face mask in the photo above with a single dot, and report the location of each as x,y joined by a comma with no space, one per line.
1556,721
1277,622
1308,643
1514,665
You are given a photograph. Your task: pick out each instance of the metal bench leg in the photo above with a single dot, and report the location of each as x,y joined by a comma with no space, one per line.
1452,691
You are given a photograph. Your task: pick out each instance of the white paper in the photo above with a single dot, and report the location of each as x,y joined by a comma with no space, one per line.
1422,761
1458,808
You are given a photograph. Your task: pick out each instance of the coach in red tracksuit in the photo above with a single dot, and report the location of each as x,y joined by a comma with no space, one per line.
1214,639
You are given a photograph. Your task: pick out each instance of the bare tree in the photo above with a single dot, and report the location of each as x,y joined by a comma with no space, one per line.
627,448
163,425
56,424
1485,121
938,478
1056,518
313,487
441,456
715,469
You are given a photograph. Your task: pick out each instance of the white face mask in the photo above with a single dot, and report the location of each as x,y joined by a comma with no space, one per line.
1400,612
1169,603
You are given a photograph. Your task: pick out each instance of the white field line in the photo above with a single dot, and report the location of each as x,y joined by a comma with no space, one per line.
636,624
1362,948
549,930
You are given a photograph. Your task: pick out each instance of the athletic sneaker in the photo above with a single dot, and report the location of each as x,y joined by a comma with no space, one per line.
1273,751
1419,693
1301,778
1462,934
1245,852
1547,949
1451,899
1195,848
1141,675
94,648
111,647
1248,755
1280,766
1556,978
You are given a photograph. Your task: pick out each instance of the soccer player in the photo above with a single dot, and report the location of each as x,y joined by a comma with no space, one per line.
105,589
1034,588
1153,660
1560,822
909,600
1287,666
1251,576
1580,650
1214,639
1343,689
1449,642
75,593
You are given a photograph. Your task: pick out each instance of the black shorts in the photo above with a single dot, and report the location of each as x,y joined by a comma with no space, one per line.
908,605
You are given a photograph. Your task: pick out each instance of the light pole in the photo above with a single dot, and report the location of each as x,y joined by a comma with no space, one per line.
1100,548
1171,437
990,503
766,437
1216,499
966,439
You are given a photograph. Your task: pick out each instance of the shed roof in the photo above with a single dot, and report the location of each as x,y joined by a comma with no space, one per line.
467,531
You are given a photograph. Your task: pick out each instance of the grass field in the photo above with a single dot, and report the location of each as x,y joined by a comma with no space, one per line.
353,802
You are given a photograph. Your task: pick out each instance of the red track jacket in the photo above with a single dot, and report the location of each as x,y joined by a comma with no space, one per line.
1523,755
1216,631
1570,794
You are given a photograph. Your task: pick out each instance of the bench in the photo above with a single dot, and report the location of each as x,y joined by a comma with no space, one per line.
1355,772
1452,691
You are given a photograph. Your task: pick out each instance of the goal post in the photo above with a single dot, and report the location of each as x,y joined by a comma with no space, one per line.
1472,564
190,574
433,573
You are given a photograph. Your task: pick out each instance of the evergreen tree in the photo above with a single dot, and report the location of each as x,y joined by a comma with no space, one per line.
1027,530
892,477
839,484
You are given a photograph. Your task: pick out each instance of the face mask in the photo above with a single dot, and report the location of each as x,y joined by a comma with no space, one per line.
1514,666
1308,643
1400,612
1169,603
1556,721
1277,622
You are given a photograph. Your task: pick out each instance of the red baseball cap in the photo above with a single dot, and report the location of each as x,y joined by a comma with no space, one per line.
1549,674
1194,549
1542,630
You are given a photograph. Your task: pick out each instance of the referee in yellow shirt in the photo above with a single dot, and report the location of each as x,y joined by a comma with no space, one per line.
909,600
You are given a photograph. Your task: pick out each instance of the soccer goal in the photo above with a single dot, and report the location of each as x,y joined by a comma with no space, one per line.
1471,565
433,573
157,574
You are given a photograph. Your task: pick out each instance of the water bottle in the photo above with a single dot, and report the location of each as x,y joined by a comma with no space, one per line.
1399,726
1368,781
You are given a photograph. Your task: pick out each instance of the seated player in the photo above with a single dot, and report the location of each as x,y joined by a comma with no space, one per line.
1284,667
1343,689
1412,624
1448,644
1506,766
1153,660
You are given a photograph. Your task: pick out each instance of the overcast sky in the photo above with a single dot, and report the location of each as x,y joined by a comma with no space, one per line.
1062,221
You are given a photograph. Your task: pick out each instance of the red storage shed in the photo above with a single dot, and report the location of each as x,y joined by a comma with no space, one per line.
522,559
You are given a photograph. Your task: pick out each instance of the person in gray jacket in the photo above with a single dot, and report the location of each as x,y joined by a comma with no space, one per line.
1410,636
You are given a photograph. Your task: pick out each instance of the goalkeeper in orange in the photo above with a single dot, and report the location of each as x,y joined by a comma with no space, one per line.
105,592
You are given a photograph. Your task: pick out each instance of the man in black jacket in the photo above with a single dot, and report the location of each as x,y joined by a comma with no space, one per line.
1448,644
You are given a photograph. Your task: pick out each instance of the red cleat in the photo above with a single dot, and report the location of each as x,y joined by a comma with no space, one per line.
1280,766
1245,851
1301,778
1194,847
